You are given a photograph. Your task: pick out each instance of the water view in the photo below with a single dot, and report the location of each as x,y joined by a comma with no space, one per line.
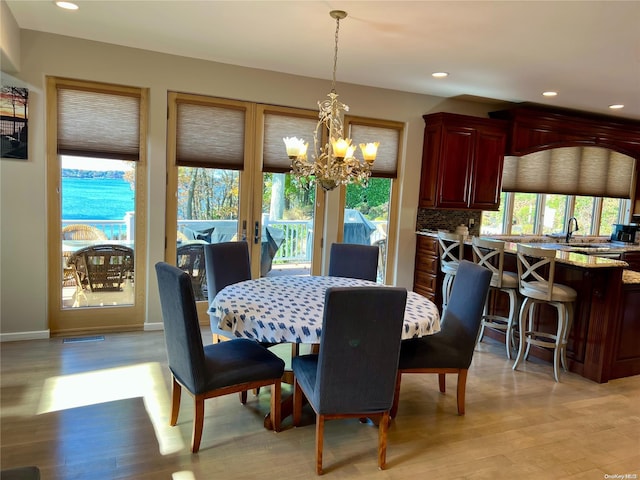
96,198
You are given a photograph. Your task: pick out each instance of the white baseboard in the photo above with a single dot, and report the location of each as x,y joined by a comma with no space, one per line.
148,327
19,336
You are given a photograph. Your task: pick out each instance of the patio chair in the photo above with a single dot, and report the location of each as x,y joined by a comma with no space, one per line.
82,232
191,260
104,268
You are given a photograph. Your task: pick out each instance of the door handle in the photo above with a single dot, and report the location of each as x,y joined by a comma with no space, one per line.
256,233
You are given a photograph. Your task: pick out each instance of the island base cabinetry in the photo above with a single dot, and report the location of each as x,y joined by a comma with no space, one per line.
426,277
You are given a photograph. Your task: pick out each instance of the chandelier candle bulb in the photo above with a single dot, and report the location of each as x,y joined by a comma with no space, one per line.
369,151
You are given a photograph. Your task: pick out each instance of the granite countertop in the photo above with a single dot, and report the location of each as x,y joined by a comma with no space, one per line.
563,255
630,277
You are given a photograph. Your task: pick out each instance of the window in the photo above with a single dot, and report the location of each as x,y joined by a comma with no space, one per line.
521,214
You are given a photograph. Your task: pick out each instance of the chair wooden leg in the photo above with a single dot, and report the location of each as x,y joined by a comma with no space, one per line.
198,421
442,382
462,385
297,403
176,390
319,442
243,397
275,405
396,396
382,440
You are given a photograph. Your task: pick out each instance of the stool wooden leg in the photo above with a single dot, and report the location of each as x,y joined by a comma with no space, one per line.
524,309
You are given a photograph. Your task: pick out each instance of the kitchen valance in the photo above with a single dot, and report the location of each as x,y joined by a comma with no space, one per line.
586,171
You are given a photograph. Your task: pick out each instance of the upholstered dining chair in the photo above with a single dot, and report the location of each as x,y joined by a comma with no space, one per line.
451,349
354,261
226,263
353,374
213,370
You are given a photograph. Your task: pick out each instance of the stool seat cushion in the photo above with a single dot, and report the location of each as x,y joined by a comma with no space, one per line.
539,291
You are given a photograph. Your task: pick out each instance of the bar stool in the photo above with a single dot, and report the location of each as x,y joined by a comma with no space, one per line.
536,270
451,253
490,254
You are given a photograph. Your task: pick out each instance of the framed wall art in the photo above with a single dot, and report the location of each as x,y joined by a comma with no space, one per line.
13,122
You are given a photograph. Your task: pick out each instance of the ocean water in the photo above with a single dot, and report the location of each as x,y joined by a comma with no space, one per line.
96,198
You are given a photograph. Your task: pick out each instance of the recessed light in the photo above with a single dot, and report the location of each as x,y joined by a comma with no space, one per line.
550,94
616,106
439,74
67,5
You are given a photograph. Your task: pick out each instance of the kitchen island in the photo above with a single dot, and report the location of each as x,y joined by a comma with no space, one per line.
602,342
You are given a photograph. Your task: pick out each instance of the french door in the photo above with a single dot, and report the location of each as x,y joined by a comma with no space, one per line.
228,180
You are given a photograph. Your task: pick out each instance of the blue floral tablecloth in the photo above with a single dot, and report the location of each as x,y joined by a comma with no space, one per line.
290,309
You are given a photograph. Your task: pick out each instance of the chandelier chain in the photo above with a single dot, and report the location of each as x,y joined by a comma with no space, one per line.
335,56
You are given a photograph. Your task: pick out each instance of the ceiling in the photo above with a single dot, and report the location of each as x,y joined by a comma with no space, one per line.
587,51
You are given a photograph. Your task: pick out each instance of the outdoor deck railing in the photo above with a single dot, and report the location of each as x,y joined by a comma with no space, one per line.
296,245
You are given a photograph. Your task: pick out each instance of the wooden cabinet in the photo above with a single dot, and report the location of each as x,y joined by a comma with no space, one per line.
533,127
633,259
462,162
426,276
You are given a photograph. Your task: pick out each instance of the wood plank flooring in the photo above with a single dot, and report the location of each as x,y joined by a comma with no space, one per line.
99,410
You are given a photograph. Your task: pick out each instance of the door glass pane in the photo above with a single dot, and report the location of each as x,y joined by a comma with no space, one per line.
366,217
98,237
492,221
524,213
207,213
287,224
554,213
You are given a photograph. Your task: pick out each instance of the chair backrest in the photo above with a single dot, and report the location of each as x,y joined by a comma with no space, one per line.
489,253
462,318
359,349
451,247
353,261
105,265
82,232
536,265
190,259
227,263
181,329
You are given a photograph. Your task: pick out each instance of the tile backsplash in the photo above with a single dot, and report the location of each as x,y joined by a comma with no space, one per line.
432,219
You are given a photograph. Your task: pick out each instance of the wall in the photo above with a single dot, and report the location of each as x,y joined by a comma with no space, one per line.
22,183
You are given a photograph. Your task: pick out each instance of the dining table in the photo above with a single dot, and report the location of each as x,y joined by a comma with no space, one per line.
290,309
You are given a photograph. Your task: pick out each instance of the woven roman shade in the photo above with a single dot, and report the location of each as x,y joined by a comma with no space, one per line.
586,171
98,124
278,126
210,136
386,164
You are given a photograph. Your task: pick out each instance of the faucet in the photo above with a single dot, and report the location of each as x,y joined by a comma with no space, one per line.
569,231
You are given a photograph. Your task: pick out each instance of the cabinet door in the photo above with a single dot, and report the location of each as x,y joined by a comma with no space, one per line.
486,176
455,154
430,160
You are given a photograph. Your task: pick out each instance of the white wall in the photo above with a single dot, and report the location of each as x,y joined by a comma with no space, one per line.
22,183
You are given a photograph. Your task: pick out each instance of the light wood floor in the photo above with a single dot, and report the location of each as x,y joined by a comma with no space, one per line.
99,410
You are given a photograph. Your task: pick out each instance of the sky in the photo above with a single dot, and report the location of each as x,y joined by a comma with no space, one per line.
95,164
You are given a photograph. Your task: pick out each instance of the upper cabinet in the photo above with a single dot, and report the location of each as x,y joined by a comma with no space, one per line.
462,162
532,128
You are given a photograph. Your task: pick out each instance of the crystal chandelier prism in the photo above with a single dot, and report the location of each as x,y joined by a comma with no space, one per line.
333,163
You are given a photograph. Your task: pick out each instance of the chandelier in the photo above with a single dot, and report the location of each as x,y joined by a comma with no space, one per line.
334,162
